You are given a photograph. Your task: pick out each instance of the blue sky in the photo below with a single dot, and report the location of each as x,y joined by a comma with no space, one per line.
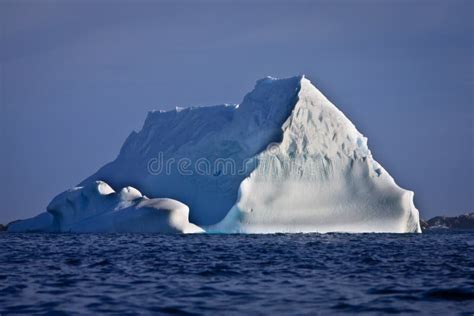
78,77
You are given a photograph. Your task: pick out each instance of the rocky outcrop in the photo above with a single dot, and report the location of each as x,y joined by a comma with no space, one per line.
461,222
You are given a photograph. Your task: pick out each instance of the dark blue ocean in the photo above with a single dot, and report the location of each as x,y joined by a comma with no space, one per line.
281,274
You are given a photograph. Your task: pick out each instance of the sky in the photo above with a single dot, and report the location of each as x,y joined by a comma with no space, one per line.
76,77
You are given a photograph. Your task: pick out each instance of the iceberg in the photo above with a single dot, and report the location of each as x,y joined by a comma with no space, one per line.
320,178
283,160
98,208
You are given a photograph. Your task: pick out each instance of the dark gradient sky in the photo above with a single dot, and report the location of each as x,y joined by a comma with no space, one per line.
77,78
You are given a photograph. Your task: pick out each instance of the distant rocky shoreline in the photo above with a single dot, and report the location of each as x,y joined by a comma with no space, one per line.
461,222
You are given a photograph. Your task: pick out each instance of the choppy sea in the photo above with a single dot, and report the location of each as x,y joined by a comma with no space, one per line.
280,274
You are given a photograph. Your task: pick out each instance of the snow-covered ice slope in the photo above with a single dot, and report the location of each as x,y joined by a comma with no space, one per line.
320,178
218,141
98,208
284,160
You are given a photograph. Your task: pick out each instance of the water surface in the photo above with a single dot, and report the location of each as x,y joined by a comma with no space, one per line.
297,274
